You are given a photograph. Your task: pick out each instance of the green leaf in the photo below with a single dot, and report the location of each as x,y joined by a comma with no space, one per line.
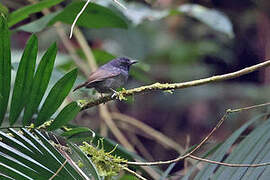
102,56
128,177
40,83
38,25
94,16
3,10
167,172
10,173
253,149
208,170
57,156
79,134
10,162
5,67
56,96
213,18
28,155
23,13
66,115
26,150
24,79
10,151
85,161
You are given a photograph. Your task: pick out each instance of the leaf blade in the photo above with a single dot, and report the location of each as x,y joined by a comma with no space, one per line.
40,83
66,115
5,67
37,25
24,78
79,134
86,161
56,96
208,170
211,17
94,16
243,155
59,158
24,12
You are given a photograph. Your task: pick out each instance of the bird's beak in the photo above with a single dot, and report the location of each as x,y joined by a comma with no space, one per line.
133,61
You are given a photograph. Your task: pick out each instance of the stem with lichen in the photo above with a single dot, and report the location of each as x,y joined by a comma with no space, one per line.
167,86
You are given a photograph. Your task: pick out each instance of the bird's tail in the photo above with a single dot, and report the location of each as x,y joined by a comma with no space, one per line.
80,86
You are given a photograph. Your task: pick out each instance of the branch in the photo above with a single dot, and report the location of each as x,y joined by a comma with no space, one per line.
67,44
229,164
186,155
57,172
134,173
81,11
189,154
173,86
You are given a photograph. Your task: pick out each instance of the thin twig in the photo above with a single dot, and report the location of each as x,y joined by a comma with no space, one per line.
67,44
189,154
228,164
173,86
186,148
58,170
120,4
68,158
186,155
248,108
77,17
134,173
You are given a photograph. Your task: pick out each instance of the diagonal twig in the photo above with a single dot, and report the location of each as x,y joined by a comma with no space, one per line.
77,17
189,154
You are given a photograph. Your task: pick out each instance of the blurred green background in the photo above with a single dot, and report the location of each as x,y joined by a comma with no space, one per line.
174,41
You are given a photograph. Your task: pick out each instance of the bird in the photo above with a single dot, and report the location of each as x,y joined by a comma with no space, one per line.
110,76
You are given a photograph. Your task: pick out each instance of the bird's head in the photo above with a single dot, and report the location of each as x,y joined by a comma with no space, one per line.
123,63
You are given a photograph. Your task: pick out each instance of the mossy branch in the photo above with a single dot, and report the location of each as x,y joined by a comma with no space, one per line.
173,86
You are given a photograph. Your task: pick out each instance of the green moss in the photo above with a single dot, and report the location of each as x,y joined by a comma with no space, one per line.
106,164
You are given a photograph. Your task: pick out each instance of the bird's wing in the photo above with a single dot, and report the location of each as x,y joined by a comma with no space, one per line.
99,75
102,74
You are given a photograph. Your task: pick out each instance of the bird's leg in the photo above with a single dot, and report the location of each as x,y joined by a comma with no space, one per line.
102,97
115,93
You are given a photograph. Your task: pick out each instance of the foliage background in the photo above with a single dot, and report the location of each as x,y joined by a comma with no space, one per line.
177,48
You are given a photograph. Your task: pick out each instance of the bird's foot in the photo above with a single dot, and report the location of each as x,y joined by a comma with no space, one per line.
117,95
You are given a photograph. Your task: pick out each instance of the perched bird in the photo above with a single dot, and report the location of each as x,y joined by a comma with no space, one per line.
110,76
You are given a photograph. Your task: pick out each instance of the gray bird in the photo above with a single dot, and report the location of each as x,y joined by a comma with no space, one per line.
110,76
